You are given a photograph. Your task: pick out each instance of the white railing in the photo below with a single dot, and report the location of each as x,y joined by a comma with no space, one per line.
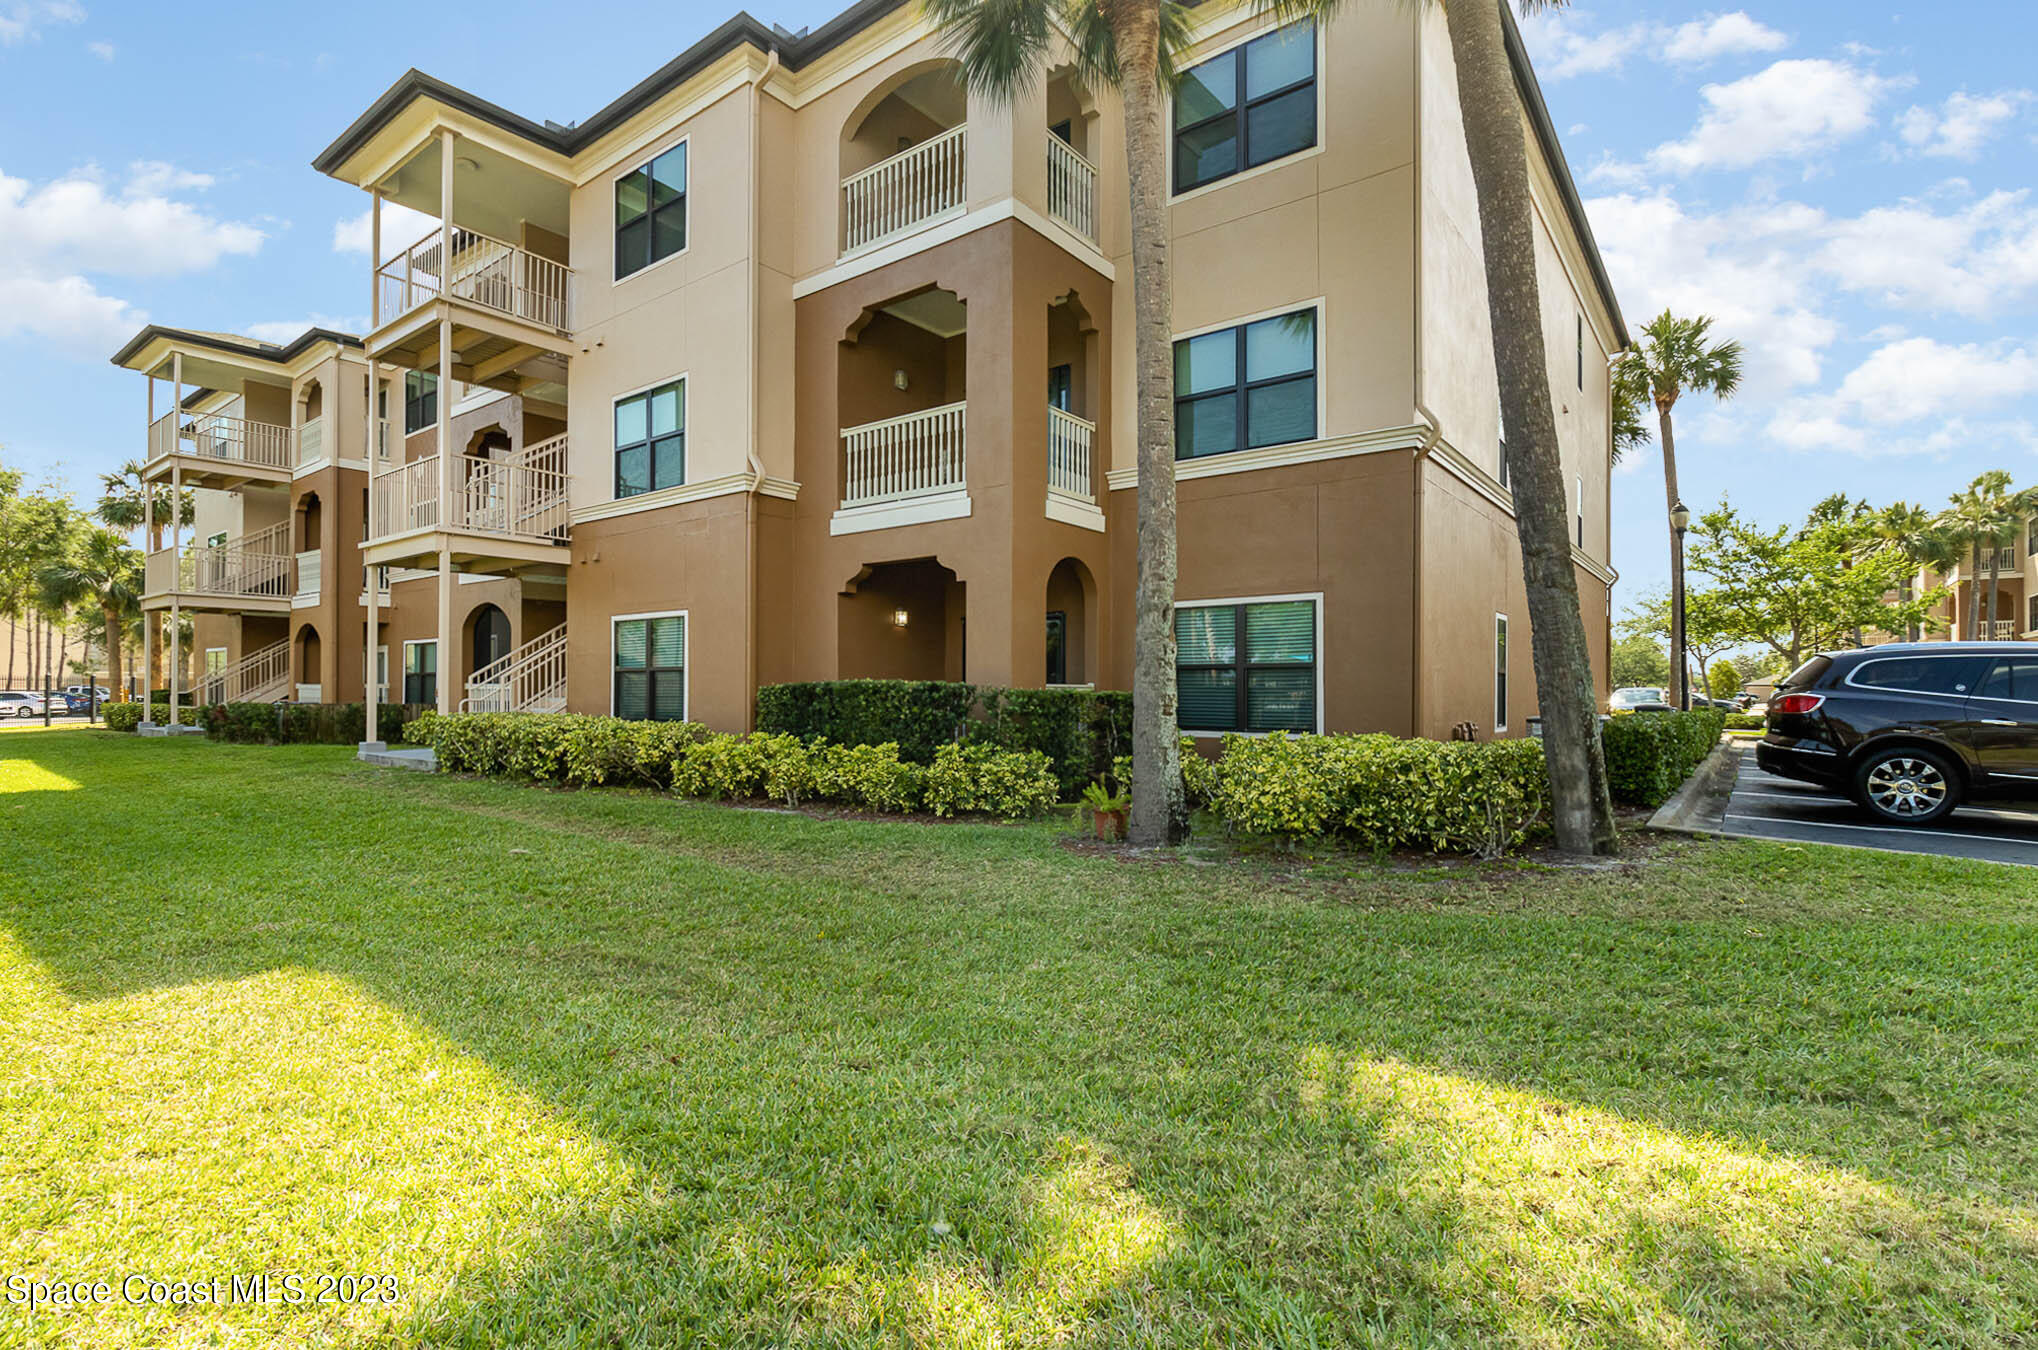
909,189
222,437
1071,188
256,678
907,456
2002,630
310,574
310,693
485,272
524,495
252,566
531,678
382,440
1068,455
311,441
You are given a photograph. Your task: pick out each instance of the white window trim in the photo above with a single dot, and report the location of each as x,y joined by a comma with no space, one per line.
1315,597
1579,479
1502,628
408,643
1232,43
630,166
684,380
206,666
685,656
381,672
1318,303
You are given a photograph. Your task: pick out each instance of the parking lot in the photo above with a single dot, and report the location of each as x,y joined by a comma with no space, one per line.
1764,806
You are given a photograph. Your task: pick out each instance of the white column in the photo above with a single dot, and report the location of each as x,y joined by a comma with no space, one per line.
149,616
176,528
374,274
445,680
445,334
372,738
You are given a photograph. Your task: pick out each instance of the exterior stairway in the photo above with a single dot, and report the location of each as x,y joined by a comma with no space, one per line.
531,678
259,677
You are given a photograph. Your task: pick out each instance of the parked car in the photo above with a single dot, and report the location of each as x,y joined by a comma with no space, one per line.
80,704
1639,700
20,703
85,692
1910,730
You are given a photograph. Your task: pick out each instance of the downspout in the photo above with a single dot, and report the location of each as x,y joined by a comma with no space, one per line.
756,465
1436,431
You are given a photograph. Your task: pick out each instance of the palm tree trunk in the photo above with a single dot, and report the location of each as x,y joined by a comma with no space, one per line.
113,672
1995,580
1582,808
1667,435
1160,813
1974,594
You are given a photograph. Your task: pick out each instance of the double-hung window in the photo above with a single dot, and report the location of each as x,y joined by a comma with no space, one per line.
1245,387
1246,667
1500,672
1246,107
420,400
651,668
420,672
651,440
651,212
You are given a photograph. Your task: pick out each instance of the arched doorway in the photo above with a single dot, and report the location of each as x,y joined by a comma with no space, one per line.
1071,643
490,640
306,659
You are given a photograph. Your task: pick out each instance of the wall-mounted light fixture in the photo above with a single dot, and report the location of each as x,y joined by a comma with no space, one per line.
899,617
898,379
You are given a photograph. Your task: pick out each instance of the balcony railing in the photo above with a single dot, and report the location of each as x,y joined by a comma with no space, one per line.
524,496
909,189
311,441
2002,630
253,566
1068,455
485,272
233,440
532,678
310,574
910,456
1071,188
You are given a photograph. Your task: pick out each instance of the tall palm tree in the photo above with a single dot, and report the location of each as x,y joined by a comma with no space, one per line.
1982,516
123,505
1131,45
1905,529
105,571
1490,106
1676,357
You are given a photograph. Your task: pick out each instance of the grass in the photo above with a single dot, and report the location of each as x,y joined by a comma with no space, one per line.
611,1069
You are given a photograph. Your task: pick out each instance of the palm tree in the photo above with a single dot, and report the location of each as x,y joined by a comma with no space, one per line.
1905,529
1676,357
1628,431
123,505
1131,45
1984,515
105,571
1490,107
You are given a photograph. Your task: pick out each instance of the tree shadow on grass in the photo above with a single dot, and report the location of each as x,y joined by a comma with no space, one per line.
919,1098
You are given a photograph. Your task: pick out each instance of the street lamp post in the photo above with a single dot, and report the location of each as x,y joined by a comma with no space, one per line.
1680,520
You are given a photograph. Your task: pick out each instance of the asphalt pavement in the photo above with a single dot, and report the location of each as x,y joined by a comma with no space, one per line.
1764,806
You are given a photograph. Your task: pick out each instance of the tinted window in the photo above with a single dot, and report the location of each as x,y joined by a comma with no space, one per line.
1808,674
2014,677
1921,674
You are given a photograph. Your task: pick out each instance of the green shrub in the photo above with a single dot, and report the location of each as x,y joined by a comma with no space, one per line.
301,723
1740,721
919,716
1649,755
982,778
573,749
123,716
1382,792
719,767
870,776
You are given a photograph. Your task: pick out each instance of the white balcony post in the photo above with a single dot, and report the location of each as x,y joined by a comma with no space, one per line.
443,655
374,279
445,432
148,620
176,610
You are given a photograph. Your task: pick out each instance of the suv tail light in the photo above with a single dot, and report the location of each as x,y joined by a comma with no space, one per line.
1798,703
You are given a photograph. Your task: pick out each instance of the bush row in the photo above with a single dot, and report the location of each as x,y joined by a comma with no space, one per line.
1741,721
1649,755
1081,731
575,750
303,723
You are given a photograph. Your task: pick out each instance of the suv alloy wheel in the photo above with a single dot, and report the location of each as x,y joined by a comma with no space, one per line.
1907,786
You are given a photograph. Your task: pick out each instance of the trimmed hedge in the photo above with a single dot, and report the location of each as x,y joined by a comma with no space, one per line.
303,723
124,716
1381,792
1649,755
1740,721
1081,731
573,749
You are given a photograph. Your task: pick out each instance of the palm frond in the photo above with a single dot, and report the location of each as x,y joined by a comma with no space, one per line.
1000,44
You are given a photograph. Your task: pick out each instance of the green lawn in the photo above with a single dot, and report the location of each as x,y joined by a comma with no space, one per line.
609,1069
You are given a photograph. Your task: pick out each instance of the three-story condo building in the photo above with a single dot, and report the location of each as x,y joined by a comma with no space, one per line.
801,361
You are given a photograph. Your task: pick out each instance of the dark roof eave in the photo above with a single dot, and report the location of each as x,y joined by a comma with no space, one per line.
263,351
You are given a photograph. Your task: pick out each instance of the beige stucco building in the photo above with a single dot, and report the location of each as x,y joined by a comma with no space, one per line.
799,361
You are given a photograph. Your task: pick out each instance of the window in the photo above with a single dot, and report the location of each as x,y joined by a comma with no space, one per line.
1246,107
651,668
1247,667
651,212
1921,674
1245,387
651,440
2032,627
215,660
1579,485
1581,353
216,541
1065,129
420,401
1503,437
1500,672
1057,646
381,672
421,672
1060,380
2014,678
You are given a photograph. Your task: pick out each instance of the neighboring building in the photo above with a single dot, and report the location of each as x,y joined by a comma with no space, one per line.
800,362
2015,614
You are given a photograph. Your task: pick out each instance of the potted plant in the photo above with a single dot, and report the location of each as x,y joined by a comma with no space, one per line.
1107,809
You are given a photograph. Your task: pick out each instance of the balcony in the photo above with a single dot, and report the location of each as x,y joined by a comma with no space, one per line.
1071,470
311,442
2002,630
503,514
216,450
1071,188
249,574
914,188
310,577
904,470
487,273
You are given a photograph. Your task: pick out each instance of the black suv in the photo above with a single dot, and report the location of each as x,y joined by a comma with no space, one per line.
1910,730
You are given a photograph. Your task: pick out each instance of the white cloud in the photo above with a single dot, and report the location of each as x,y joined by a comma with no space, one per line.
102,50
1792,109
401,227
67,311
1972,261
1704,40
23,20
287,330
1960,126
1918,396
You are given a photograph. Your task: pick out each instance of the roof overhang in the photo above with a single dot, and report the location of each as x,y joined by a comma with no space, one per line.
220,361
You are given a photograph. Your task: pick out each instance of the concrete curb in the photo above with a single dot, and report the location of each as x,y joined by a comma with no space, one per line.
1700,806
420,758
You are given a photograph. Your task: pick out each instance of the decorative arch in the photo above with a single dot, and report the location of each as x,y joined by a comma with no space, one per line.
1069,634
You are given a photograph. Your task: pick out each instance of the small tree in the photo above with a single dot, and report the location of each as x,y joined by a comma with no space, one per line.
1638,660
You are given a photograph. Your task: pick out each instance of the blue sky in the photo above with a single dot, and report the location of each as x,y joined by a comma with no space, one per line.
1845,187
